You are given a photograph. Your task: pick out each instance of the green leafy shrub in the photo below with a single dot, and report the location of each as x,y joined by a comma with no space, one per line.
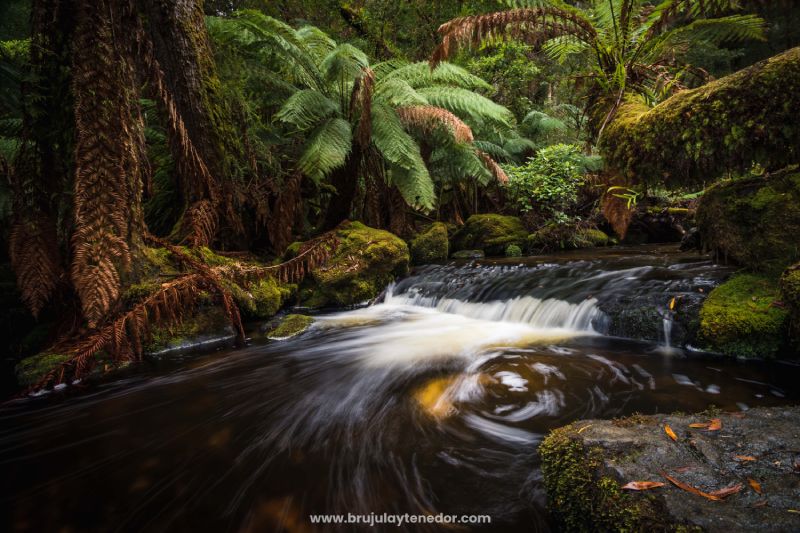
550,181
512,250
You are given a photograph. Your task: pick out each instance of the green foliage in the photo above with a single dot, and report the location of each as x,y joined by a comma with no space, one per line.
738,318
549,182
512,250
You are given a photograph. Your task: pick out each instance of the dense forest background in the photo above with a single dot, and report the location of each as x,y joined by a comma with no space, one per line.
132,128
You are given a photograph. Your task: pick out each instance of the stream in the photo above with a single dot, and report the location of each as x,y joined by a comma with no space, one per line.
431,400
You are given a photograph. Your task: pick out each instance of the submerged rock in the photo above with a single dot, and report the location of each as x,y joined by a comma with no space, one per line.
490,233
290,326
753,222
741,318
585,465
364,262
431,245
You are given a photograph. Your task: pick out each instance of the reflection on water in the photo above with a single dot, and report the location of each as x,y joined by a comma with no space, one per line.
432,401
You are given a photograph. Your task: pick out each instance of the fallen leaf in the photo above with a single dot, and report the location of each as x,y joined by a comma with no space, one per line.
727,491
744,458
689,488
755,485
583,429
715,424
643,485
672,304
683,469
700,425
760,503
793,511
668,431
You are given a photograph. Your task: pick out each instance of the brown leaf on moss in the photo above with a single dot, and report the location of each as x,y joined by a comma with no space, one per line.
670,433
642,485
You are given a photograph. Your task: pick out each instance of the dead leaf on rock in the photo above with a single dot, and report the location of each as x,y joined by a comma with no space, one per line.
642,485
688,488
670,433
744,458
727,491
700,425
755,485
715,424
683,469
760,503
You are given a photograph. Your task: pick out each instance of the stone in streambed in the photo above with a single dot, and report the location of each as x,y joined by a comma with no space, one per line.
586,463
290,326
490,233
430,245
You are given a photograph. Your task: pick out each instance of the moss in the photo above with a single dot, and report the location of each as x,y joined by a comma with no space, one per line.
594,237
290,326
753,222
723,126
636,419
292,250
430,245
581,497
31,369
790,294
490,233
202,321
512,250
364,262
468,254
738,318
553,237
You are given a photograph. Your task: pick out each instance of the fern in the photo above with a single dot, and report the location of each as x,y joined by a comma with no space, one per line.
420,75
306,108
327,149
468,105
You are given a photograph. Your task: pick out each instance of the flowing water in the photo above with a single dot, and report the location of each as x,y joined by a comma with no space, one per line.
431,401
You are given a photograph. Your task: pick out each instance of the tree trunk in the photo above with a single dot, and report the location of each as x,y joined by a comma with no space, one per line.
345,180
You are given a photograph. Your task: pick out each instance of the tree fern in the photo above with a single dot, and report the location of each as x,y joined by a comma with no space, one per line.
306,108
420,75
468,105
326,149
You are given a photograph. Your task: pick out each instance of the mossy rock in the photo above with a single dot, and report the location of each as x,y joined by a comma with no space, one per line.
790,295
431,245
206,321
365,261
512,250
468,254
32,369
554,237
290,326
581,496
261,299
739,318
490,233
753,222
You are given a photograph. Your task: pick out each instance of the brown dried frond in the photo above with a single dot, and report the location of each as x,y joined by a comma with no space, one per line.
496,170
534,25
361,102
107,184
428,118
617,212
200,223
35,260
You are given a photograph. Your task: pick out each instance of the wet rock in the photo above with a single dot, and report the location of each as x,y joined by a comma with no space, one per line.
290,326
741,318
490,233
431,245
658,225
468,254
753,222
364,262
586,463
691,241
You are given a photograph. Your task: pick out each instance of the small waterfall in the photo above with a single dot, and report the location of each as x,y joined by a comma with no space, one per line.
547,313
667,324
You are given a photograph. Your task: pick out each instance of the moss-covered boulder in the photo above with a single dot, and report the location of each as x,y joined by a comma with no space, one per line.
468,254
290,326
586,464
554,237
364,262
790,295
700,134
430,245
754,222
32,369
490,233
742,318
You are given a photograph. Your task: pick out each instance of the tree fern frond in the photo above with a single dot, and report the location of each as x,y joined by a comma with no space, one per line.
327,149
520,146
429,118
415,185
391,139
724,30
317,42
343,63
304,109
560,48
459,163
494,150
421,75
468,105
397,92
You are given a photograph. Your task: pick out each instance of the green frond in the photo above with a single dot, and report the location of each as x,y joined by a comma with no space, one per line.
468,105
306,108
520,146
460,163
327,149
343,63
419,75
724,30
560,48
316,41
494,150
397,92
415,185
